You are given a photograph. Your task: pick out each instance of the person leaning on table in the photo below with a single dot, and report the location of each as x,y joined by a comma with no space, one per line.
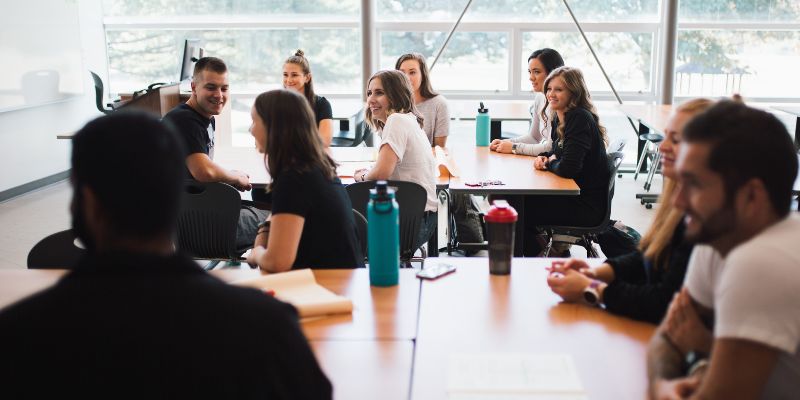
134,319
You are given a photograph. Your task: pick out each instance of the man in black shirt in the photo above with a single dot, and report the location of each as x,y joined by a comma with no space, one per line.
135,320
194,121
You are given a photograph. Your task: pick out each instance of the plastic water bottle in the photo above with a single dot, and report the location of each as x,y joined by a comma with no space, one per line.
383,236
482,125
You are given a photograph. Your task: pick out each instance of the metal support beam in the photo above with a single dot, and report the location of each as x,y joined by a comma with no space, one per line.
668,46
450,34
367,44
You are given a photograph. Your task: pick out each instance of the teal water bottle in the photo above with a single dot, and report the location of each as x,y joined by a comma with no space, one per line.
482,124
383,236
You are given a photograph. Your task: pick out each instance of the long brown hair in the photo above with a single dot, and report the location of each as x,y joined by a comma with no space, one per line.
656,242
425,89
300,59
292,141
580,98
398,91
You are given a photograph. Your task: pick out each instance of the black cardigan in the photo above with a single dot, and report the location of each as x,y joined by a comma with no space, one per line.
582,154
642,292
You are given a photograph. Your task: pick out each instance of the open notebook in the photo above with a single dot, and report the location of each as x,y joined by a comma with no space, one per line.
444,163
300,289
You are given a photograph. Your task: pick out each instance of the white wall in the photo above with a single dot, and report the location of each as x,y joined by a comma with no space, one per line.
29,149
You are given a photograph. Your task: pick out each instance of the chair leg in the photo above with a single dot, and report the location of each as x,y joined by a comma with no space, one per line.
641,159
549,246
651,173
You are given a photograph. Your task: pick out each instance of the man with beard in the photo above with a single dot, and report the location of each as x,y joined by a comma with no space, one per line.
133,319
737,167
194,121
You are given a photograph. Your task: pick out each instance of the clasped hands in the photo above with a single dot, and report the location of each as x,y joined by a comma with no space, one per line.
569,278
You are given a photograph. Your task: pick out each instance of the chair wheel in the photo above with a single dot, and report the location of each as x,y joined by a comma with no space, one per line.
619,175
648,206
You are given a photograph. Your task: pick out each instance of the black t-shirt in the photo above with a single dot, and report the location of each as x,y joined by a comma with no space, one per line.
196,131
322,109
329,237
137,326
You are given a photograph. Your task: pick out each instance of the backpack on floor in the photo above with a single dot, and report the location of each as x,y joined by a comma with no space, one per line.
618,239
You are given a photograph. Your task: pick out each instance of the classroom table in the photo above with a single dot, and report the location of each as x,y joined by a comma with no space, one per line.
515,172
471,311
414,328
793,110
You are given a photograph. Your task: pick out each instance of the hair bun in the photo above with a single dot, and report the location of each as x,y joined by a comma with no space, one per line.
299,53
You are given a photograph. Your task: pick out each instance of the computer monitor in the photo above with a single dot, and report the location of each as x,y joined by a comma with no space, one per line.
191,53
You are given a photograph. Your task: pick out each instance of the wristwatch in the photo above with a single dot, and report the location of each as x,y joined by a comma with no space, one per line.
591,294
514,148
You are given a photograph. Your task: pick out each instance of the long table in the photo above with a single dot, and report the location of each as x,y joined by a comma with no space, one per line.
398,340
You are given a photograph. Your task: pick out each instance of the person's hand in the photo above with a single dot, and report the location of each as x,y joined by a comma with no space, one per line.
504,147
359,174
540,163
568,284
674,389
255,255
494,144
684,327
242,181
573,264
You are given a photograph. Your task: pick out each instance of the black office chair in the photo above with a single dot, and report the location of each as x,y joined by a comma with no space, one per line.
98,95
581,235
57,251
361,231
207,222
411,199
360,129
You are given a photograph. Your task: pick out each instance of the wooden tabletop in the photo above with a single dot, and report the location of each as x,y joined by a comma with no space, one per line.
367,369
653,116
478,164
471,311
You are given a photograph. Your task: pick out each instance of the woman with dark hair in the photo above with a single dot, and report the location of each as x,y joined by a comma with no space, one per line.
312,222
297,77
405,153
540,63
578,152
432,106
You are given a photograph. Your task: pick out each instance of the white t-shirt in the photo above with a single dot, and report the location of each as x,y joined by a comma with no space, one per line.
757,297
538,138
415,157
702,274
436,116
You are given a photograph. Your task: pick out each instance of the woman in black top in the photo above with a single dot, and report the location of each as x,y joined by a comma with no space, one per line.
579,153
641,284
297,77
312,222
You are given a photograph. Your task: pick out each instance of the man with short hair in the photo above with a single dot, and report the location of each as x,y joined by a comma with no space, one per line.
195,123
736,168
133,319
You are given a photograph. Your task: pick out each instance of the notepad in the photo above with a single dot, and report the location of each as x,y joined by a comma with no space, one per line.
300,289
444,163
513,376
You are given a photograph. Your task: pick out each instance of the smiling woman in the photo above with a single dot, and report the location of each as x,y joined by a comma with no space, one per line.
297,77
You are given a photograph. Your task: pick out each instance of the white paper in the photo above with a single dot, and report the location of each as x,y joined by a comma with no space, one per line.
513,376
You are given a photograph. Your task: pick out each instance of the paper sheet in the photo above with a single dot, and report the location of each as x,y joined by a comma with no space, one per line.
513,376
444,163
300,289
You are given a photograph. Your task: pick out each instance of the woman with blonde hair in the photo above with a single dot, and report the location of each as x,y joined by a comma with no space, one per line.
297,77
578,152
405,153
312,223
641,284
430,104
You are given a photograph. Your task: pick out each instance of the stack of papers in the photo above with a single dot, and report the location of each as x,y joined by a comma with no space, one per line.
513,376
300,289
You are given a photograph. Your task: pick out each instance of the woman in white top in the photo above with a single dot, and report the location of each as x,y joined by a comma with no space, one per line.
432,105
538,140
405,153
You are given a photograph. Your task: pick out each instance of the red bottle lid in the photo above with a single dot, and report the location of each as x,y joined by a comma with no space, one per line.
501,212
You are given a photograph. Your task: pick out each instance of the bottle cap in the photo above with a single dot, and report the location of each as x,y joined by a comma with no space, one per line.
382,191
501,212
482,109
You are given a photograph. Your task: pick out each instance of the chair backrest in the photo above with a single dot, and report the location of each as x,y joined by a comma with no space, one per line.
57,251
362,129
411,199
614,161
208,219
361,230
98,94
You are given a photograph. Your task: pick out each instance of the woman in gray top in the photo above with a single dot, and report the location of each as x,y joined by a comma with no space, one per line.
432,105
538,140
